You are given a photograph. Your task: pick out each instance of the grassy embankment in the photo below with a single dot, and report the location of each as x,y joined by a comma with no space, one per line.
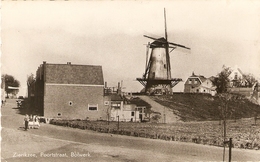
204,107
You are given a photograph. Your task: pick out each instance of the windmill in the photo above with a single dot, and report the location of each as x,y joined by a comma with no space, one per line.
157,76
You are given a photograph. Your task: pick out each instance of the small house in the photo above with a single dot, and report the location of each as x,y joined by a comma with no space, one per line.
121,110
199,84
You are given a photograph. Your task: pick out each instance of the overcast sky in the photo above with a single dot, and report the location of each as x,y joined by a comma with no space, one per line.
110,34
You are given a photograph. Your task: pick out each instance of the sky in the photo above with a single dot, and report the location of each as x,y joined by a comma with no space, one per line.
110,34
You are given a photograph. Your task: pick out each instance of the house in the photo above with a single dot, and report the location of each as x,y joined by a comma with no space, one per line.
119,108
126,113
142,107
237,78
69,91
243,85
199,84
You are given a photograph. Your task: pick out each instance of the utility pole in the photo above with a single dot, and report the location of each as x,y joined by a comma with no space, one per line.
108,118
135,115
118,122
230,147
164,115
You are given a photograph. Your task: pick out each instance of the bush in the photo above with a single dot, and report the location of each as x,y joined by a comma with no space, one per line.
156,117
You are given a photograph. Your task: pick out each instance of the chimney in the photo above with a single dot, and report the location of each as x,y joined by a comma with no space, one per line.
119,89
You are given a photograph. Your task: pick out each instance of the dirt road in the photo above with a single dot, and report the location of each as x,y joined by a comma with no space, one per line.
55,143
167,114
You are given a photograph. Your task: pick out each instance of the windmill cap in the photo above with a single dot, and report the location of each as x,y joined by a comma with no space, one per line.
159,42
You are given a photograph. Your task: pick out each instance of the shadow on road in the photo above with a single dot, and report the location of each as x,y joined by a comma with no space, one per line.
24,108
21,111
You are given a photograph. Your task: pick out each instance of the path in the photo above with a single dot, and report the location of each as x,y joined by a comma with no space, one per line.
170,117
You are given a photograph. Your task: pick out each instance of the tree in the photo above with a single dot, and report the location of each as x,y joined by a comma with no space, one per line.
251,80
30,85
10,81
30,79
226,112
222,81
156,117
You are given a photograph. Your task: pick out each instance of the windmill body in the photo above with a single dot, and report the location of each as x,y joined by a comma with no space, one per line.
158,67
157,78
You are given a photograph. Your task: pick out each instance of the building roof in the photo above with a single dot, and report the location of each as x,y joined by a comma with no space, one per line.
74,74
200,77
116,97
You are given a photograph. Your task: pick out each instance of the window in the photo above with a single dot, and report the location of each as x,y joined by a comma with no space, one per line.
133,113
116,105
195,81
70,103
235,76
92,107
106,103
164,66
59,114
190,81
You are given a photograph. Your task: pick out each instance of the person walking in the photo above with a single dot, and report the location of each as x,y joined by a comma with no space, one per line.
26,122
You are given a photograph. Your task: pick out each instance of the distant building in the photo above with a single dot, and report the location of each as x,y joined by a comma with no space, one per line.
199,84
240,85
237,78
69,91
3,88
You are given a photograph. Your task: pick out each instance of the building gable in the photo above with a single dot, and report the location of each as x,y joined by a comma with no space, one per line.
195,80
236,74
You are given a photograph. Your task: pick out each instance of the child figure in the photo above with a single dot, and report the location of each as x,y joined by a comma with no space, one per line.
26,121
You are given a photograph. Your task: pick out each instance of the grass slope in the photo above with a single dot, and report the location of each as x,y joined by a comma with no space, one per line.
202,107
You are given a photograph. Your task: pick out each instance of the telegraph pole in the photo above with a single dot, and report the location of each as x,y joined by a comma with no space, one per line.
118,122
230,147
164,115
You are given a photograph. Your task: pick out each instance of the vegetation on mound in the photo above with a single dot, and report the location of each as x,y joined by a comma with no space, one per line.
202,107
244,132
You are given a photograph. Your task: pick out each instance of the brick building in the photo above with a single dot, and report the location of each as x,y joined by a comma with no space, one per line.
69,91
